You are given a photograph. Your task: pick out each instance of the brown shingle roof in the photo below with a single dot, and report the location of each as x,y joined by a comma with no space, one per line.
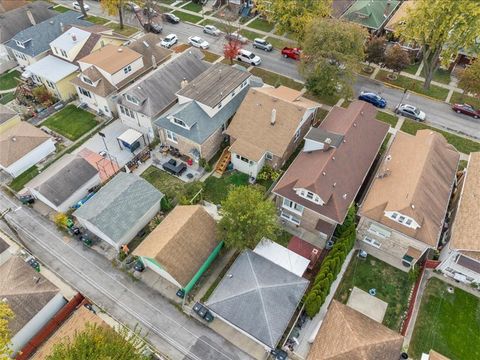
182,242
25,290
18,141
348,334
6,114
421,172
251,126
466,227
111,58
103,88
400,15
337,174
214,84
149,46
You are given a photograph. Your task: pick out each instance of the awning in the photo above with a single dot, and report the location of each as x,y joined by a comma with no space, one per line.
414,253
130,136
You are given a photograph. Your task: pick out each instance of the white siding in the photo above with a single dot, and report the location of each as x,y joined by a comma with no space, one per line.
160,271
120,75
449,267
96,102
30,159
252,168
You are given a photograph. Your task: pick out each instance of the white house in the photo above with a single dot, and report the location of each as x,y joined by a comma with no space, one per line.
461,256
22,146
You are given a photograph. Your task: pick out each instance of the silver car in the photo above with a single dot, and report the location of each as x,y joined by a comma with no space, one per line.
262,45
411,112
211,30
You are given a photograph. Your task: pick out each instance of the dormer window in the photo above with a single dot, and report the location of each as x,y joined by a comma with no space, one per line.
132,99
402,219
87,80
180,123
309,196
127,69
21,43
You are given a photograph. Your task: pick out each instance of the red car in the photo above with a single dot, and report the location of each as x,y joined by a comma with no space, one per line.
466,109
292,53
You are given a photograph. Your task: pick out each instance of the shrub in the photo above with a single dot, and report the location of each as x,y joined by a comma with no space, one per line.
166,204
268,173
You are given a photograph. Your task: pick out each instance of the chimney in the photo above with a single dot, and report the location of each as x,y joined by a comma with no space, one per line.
14,139
74,37
314,255
274,117
62,27
326,144
183,83
120,50
154,62
31,18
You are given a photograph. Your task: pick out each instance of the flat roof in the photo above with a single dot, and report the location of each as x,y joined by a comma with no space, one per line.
52,68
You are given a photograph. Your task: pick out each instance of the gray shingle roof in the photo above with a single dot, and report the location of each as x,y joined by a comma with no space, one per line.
45,32
65,182
158,91
119,205
14,21
203,125
258,296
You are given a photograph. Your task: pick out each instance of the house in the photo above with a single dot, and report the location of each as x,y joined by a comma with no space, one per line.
346,333
403,213
267,128
399,16
181,246
141,103
33,43
111,68
69,180
120,209
325,178
257,298
461,255
8,118
340,6
15,17
22,146
76,323
55,74
33,299
196,125
371,14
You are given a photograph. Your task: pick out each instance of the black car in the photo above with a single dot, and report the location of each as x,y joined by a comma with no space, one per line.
139,266
171,18
153,28
27,199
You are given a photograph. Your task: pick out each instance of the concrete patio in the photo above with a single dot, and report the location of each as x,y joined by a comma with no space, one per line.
192,173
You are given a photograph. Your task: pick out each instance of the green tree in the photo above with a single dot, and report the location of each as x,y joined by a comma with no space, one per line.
332,50
247,218
441,28
98,342
291,16
6,314
114,8
470,79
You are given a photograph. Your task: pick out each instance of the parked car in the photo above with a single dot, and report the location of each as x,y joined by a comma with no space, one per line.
262,45
248,57
153,28
148,11
27,199
197,41
373,98
169,41
211,30
132,6
173,19
76,6
139,266
235,36
410,111
292,53
466,109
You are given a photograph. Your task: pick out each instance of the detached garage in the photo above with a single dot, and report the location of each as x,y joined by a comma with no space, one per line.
123,207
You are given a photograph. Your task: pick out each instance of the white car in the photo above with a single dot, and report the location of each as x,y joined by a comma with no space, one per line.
212,30
169,41
235,36
76,6
198,42
248,57
133,7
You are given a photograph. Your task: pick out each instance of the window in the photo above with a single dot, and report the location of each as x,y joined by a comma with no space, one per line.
132,99
85,92
64,53
56,51
292,206
127,111
20,43
297,135
50,84
268,156
309,196
233,93
180,123
379,231
171,136
408,222
127,69
107,110
372,242
394,216
290,218
244,159
401,219
87,80
219,106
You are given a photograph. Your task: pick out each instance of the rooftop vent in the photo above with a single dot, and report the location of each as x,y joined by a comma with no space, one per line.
274,117
344,196
183,83
120,49
146,44
74,37
324,173
14,139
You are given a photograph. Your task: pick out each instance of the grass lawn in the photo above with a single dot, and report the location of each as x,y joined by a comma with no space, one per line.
126,31
387,118
192,7
218,24
18,183
279,43
412,69
97,20
276,79
6,98
171,186
441,76
216,189
462,144
413,85
71,122
61,9
261,25
462,164
168,2
251,35
8,80
187,17
447,323
461,98
323,99
392,286
320,116
209,56
383,147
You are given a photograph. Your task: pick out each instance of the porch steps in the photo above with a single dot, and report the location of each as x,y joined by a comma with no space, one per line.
223,161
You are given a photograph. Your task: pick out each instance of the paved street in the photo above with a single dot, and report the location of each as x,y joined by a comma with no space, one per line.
130,302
